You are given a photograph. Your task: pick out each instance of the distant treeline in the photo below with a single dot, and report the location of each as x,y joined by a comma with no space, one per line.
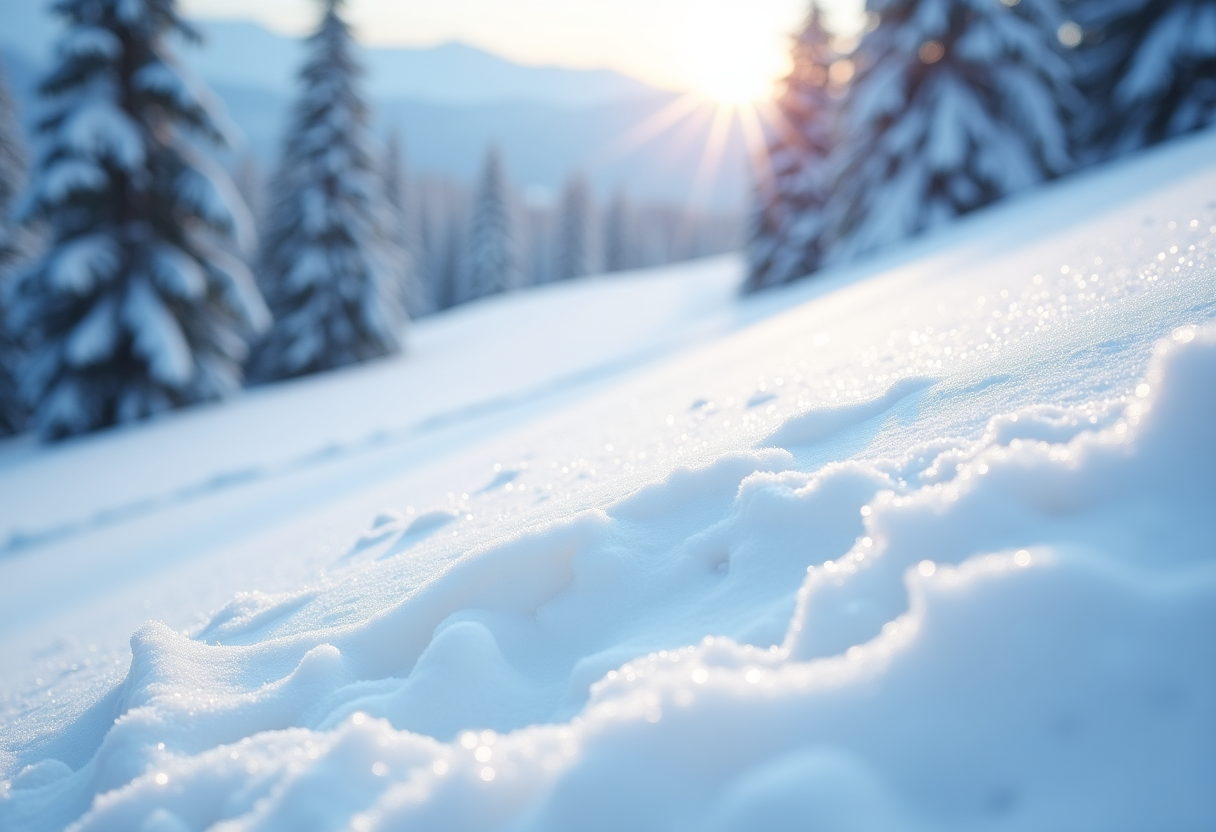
571,236
554,236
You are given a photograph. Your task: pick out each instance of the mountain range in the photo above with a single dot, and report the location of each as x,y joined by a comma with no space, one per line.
449,103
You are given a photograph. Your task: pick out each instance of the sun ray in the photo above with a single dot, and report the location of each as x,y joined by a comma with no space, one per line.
769,113
757,147
698,127
690,132
654,124
711,156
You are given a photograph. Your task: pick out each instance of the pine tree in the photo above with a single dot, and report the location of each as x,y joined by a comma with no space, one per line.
537,230
449,262
574,231
136,307
493,262
956,103
13,246
428,254
787,219
403,231
441,236
1148,68
618,254
330,270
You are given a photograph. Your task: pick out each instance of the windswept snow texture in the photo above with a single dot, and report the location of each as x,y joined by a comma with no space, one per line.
929,549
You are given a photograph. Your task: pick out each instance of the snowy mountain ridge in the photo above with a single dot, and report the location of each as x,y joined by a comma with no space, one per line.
449,73
446,132
245,54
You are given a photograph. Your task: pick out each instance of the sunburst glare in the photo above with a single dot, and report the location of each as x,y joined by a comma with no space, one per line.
731,55
733,62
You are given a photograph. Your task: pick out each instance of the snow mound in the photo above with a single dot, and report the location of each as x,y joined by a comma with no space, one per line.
858,645
932,552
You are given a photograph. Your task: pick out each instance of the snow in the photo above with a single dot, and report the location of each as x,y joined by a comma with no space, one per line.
81,264
94,338
99,130
240,289
178,273
89,42
205,188
187,94
922,544
643,314
157,335
68,175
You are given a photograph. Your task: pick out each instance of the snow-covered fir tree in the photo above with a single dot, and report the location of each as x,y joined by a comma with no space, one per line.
787,218
617,252
441,222
330,270
573,256
1148,69
428,255
136,307
449,263
13,247
956,103
403,229
536,230
14,169
492,265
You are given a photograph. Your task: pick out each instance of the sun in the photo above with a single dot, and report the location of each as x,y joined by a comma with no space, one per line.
735,85
730,60
730,56
734,73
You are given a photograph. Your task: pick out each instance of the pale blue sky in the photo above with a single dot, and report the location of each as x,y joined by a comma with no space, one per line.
730,48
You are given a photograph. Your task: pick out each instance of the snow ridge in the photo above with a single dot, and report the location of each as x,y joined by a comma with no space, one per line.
820,610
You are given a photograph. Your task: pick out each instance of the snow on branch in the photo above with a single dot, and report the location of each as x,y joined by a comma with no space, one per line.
89,42
65,177
80,264
177,272
205,189
158,336
101,130
95,337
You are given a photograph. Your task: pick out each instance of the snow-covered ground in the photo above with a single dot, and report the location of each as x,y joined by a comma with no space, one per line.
923,544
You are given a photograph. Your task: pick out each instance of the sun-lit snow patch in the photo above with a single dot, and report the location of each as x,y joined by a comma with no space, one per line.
928,625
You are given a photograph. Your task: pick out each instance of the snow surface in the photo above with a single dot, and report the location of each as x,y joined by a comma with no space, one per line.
923,544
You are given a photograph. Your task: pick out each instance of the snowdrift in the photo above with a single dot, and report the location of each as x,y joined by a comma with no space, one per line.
931,550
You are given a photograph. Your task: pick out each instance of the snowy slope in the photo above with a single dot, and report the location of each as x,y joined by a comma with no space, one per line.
925,544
